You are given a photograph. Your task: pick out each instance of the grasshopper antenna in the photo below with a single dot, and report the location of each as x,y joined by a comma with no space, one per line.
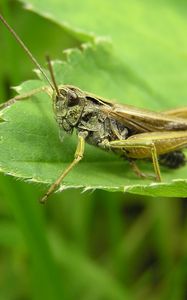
52,74
26,50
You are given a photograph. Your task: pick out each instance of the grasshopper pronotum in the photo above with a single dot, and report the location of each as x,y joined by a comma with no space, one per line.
128,131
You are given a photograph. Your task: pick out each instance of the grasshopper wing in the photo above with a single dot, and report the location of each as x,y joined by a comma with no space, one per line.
178,112
142,120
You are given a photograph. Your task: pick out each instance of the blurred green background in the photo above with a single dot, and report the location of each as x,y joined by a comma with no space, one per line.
90,246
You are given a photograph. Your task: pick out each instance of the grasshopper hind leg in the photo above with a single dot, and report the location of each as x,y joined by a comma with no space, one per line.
172,160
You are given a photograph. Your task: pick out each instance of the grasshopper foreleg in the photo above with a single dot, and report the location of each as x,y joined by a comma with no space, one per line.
78,156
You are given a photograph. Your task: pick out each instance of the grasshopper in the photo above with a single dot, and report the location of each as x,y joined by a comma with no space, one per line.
130,132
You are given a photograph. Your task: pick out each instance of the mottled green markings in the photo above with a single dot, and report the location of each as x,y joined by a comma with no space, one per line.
30,145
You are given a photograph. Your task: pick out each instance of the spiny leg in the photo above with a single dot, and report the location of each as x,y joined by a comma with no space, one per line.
24,96
78,156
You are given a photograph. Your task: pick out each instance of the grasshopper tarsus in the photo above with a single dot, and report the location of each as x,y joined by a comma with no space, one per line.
43,200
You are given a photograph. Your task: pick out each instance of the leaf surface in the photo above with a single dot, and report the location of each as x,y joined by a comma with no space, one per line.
31,148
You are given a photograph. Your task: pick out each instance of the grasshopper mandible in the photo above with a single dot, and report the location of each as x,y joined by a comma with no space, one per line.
128,131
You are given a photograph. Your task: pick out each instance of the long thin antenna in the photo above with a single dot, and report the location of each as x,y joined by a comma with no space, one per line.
52,74
26,49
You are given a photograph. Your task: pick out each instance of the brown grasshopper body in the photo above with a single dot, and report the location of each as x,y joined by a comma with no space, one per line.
98,120
130,132
126,130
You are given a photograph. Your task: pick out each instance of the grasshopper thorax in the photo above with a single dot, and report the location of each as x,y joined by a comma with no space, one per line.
68,106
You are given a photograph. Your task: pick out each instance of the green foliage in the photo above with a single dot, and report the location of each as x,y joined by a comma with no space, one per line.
99,245
99,69
149,36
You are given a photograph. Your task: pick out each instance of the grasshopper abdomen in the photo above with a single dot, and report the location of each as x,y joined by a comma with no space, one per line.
173,160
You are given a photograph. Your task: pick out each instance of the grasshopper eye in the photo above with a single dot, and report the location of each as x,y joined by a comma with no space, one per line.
72,99
63,93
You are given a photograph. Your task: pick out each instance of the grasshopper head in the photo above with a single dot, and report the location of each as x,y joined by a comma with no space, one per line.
68,103
68,106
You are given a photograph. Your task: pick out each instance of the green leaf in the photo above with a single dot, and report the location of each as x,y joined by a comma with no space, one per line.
149,36
30,146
